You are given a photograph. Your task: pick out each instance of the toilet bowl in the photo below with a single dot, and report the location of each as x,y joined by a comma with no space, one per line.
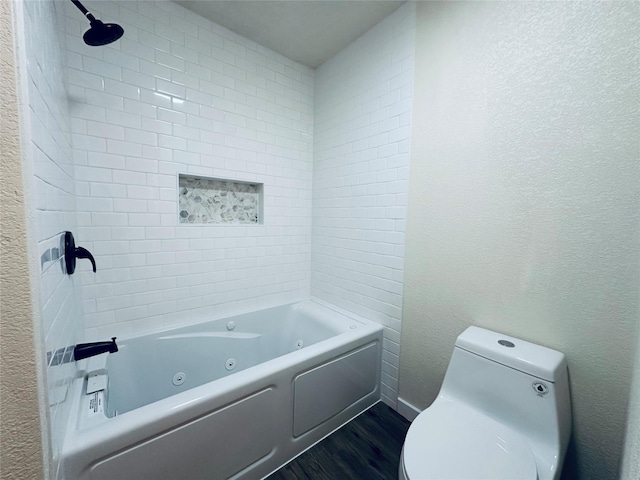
503,412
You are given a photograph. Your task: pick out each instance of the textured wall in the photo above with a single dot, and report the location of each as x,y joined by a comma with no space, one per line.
360,179
21,455
524,191
180,94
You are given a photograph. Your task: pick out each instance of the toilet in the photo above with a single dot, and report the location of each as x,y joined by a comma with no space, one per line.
503,412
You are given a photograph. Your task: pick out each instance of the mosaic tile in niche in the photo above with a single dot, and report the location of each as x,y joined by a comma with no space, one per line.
208,200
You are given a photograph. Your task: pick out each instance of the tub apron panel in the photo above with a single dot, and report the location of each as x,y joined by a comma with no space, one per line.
327,390
213,446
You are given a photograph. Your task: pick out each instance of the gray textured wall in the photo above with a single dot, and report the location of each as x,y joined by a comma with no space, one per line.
523,203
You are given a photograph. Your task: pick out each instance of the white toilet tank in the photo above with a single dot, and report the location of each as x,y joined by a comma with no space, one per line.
519,384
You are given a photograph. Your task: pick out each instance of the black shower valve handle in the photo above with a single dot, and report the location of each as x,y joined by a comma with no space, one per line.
71,253
82,252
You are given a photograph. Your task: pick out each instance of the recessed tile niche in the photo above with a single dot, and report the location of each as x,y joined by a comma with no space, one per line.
204,200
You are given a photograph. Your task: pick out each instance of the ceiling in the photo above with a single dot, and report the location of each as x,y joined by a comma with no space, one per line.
307,31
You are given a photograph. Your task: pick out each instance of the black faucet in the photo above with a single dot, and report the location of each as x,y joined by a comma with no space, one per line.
85,350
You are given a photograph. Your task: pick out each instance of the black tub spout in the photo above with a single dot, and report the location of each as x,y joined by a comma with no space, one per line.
85,350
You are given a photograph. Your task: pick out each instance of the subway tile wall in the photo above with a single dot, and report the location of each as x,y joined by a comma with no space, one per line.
180,94
363,105
53,199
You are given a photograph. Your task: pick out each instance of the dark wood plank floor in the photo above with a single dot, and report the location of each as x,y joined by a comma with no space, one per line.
367,448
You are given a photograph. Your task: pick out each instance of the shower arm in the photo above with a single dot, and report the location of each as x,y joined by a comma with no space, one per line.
84,11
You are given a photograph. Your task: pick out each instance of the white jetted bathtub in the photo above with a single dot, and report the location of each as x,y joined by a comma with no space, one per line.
236,397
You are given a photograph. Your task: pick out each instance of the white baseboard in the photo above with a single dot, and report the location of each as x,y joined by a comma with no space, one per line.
408,411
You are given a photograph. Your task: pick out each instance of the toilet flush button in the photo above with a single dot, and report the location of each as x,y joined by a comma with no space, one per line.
540,388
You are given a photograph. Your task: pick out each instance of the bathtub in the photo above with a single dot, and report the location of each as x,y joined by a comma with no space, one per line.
234,397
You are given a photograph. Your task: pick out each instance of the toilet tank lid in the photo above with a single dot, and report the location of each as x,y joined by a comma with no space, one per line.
536,360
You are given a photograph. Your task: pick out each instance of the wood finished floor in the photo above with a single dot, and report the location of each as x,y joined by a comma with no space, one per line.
367,448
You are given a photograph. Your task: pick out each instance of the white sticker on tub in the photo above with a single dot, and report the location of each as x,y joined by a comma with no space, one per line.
96,404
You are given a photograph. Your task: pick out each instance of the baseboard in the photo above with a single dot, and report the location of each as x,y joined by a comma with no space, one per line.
408,411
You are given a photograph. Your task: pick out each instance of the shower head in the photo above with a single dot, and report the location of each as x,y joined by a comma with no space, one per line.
102,33
99,33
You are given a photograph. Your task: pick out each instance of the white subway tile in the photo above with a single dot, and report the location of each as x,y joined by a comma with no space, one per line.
186,132
171,116
110,303
155,126
128,233
169,195
144,219
155,98
140,273
92,204
184,78
170,61
187,158
105,130
124,148
124,119
196,44
132,313
82,173
121,89
153,69
185,106
91,144
142,137
161,258
151,40
172,142
173,35
78,125
163,207
102,99
129,205
129,177
147,193
203,147
178,49
138,79
160,232
108,219
85,79
88,112
101,68
170,88
139,108
156,153
126,60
